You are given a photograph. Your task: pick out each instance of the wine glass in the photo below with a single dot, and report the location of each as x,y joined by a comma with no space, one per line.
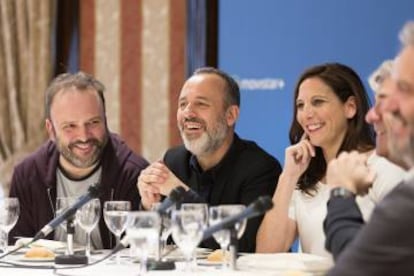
218,214
87,217
9,213
142,232
116,216
202,209
188,226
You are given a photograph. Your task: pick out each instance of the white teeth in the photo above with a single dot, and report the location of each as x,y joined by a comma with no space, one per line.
314,126
83,146
193,126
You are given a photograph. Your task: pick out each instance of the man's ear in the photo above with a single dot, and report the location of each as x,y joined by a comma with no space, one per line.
232,115
50,129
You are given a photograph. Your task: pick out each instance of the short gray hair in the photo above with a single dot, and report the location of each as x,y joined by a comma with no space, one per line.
383,72
407,34
232,88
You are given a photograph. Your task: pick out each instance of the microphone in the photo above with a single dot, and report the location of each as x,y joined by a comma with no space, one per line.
93,192
256,208
175,196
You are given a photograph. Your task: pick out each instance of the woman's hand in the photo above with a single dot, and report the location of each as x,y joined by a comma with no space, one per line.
298,156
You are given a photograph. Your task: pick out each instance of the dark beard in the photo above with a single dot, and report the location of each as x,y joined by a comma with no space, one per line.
73,159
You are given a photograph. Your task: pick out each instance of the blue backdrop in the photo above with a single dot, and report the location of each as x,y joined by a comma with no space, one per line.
266,44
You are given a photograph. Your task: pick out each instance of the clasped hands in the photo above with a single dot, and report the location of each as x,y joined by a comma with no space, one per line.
155,181
351,171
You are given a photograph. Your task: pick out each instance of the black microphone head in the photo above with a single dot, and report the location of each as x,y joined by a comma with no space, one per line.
177,194
94,190
262,204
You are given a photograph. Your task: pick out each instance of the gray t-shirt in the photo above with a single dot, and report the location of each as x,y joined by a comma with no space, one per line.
67,187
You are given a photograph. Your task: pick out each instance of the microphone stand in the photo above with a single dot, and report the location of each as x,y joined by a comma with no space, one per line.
233,247
70,258
158,263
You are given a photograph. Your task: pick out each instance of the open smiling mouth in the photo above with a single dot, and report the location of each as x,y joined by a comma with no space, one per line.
314,127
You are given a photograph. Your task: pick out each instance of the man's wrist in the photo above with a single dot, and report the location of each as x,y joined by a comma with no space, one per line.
142,207
341,192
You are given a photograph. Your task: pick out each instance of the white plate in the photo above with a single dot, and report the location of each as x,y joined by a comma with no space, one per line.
285,261
59,247
50,244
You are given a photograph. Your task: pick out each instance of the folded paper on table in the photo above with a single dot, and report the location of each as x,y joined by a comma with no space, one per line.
285,261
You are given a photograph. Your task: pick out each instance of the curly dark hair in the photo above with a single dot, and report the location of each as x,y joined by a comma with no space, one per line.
345,83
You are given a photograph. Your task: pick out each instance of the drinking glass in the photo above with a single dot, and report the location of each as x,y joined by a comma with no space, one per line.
142,233
116,216
202,209
9,213
188,227
219,213
88,216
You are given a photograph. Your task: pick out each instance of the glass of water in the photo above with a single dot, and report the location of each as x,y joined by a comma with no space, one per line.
9,213
116,217
88,216
143,235
188,227
202,210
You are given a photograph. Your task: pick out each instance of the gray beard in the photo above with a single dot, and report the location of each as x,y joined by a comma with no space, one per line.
208,142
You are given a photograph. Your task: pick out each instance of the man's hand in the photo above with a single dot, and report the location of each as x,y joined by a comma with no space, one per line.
154,181
350,171
149,193
163,179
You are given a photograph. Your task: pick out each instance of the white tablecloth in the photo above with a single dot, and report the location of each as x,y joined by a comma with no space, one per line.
249,265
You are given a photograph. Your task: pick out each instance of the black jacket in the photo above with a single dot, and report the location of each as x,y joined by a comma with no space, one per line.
245,173
385,245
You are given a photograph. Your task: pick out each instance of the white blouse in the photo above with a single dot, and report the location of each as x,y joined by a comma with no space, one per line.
309,212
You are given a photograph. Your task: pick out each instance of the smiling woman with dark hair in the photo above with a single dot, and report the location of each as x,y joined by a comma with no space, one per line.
329,109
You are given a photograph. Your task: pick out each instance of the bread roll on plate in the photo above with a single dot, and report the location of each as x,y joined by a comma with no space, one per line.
39,252
217,256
